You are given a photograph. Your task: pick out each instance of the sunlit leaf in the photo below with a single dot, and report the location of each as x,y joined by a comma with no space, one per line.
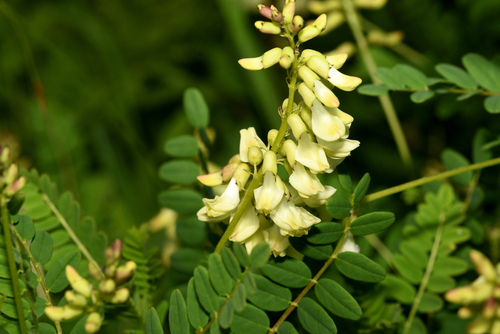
456,75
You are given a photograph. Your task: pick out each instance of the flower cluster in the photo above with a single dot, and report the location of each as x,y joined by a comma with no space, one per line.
10,183
84,298
481,297
313,140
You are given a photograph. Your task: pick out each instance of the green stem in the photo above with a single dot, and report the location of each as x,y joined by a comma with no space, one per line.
427,179
427,275
9,249
39,274
72,234
385,100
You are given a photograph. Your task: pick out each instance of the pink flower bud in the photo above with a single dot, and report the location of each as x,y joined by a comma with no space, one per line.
265,11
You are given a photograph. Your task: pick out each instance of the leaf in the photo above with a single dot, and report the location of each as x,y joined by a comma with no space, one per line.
492,104
407,268
421,96
410,76
185,146
373,90
55,280
186,259
399,289
452,160
42,247
270,296
359,267
184,200
239,299
455,235
288,272
336,299
451,266
314,318
46,328
430,303
196,108
25,227
389,77
344,178
214,328
339,207
479,153
241,254
325,233
456,75
197,317
179,171
231,263
191,231
483,71
372,223
219,276
317,252
440,283
287,328
177,315
415,251
250,283
250,321
226,314
260,255
361,189
206,293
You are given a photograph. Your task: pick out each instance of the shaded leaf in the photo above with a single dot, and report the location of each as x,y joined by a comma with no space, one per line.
421,96
410,76
314,318
184,146
42,247
270,296
260,255
179,171
361,189
250,321
239,299
186,259
250,283
373,90
325,233
399,289
456,75
206,293
184,200
191,231
389,77
430,303
25,227
197,317
219,276
407,268
452,160
359,267
55,280
288,272
336,299
483,71
287,328
492,104
479,152
317,252
241,254
339,207
372,223
231,263
226,314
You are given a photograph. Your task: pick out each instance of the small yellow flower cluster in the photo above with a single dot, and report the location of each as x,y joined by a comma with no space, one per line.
481,297
315,143
84,298
10,183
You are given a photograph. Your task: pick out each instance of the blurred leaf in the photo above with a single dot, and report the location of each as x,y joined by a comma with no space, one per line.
479,153
270,296
361,189
177,316
336,299
317,252
456,75
42,247
449,266
206,293
260,255
455,235
389,77
372,222
421,96
231,263
452,160
430,303
339,207
465,96
60,237
399,289
55,280
196,108
373,90
186,259
184,201
25,227
250,321
492,104
407,268
219,276
185,146
440,283
357,266
415,251
410,76
179,171
314,318
46,328
325,233
483,71
288,272
191,231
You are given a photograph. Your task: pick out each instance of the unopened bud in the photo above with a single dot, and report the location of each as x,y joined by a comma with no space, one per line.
119,297
58,314
289,11
254,155
483,265
308,33
290,148
269,163
297,125
94,271
74,299
16,186
306,116
125,271
11,174
308,53
107,286
489,308
337,60
165,218
464,312
268,27
297,23
460,295
242,174
319,65
4,154
495,326
277,16
320,22
271,57
211,179
319,7
479,325
370,4
252,64
335,19
378,37
77,282
287,57
228,171
271,136
308,76
265,11
93,323
307,94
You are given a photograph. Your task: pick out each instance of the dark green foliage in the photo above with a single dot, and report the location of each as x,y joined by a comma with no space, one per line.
314,318
288,272
177,318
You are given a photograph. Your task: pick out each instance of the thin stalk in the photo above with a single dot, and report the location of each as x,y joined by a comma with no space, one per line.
39,275
9,249
385,100
72,234
427,179
427,275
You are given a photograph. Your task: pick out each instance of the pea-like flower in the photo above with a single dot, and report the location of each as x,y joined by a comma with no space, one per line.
221,207
269,195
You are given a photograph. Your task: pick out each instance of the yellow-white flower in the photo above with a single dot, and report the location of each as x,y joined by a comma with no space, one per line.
320,198
277,242
249,138
306,183
325,124
269,195
246,226
342,81
221,207
311,154
291,219
255,239
340,148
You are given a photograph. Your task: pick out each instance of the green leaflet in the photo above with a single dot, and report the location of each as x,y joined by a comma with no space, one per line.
270,296
287,328
260,255
226,314
452,160
314,318
373,90
407,268
231,263
186,259
483,71
325,233
339,207
361,189
250,283
399,289
196,108
179,171
239,299
410,76
250,321
184,146
421,96
41,247
372,222
288,271
492,104
220,278
25,227
359,267
191,231
184,200
336,299
440,283
177,317
456,75
206,293
317,252
430,303
55,280
241,254
389,77
197,317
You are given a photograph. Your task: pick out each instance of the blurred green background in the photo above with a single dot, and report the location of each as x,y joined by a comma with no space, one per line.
90,90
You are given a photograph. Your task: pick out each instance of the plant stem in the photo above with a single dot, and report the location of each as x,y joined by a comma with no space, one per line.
9,249
427,179
385,100
39,276
427,275
72,234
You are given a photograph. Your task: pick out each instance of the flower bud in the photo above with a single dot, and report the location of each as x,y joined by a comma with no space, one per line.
242,174
319,65
254,155
58,314
268,27
289,11
94,271
93,323
248,138
307,94
272,134
11,174
337,60
107,286
464,312
483,265
335,19
320,22
306,116
277,16
77,282
271,57
308,76
342,81
287,57
211,179
269,163
252,64
4,154
378,37
319,7
119,297
75,300
166,217
325,95
297,23
370,4
290,148
489,308
308,53
479,325
125,271
308,33
297,125
16,186
265,11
